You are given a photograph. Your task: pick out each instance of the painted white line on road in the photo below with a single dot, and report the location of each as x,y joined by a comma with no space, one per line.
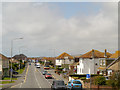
36,79
45,78
20,85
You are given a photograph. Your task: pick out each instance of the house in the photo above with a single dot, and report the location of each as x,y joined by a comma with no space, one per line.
114,65
20,57
5,65
90,61
51,60
73,66
64,60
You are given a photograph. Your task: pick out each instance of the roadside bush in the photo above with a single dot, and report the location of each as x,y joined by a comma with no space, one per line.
99,80
114,80
76,77
60,68
83,78
52,67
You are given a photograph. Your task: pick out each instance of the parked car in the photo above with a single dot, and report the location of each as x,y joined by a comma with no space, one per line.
44,72
74,84
15,72
58,84
48,75
47,67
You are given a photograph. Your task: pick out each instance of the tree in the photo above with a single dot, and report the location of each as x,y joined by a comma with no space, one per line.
115,80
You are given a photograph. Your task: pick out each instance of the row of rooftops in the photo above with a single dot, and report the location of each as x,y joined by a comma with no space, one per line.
91,54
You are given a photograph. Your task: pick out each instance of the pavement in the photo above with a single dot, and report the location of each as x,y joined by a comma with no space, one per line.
20,79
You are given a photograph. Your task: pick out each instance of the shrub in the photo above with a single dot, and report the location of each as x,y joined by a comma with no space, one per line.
76,77
99,80
114,80
83,78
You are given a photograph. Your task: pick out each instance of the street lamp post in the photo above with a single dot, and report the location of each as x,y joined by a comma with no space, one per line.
11,56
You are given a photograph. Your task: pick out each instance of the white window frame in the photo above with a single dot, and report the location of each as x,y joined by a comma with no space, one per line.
101,62
104,62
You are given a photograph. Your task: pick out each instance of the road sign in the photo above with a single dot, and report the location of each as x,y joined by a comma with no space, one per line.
11,70
87,76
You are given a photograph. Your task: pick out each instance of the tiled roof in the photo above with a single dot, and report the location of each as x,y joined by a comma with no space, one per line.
48,58
64,55
115,55
97,54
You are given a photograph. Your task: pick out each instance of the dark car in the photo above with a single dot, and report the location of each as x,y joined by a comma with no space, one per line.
58,85
44,72
15,72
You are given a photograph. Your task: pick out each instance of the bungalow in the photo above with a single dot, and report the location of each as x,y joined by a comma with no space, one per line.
90,61
64,59
51,60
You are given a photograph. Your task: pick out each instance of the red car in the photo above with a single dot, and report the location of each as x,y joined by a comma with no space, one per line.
48,76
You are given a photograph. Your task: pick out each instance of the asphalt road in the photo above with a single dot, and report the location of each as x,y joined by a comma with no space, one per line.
35,79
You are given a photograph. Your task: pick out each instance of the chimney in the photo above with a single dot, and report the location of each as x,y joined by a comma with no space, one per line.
105,53
92,53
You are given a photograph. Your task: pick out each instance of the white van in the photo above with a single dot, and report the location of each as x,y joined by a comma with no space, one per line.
37,65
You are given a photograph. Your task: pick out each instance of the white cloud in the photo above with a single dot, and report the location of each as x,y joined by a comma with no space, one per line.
43,29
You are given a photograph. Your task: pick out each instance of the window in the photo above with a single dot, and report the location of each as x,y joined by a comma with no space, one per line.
76,82
100,62
103,62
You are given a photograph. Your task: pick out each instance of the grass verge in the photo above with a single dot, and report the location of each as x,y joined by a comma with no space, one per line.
6,82
7,78
21,71
1,85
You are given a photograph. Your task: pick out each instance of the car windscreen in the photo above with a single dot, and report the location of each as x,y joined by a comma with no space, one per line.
46,66
76,82
60,83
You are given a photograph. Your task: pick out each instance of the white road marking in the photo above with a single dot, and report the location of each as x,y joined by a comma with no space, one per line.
45,78
20,85
36,79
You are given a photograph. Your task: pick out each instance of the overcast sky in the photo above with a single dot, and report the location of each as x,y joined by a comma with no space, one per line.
75,28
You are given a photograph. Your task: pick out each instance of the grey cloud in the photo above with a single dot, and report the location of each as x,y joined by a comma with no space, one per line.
43,29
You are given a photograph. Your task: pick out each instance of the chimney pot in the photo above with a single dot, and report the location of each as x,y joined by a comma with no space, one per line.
92,53
105,53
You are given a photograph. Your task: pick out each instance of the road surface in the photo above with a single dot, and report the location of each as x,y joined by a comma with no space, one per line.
35,79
